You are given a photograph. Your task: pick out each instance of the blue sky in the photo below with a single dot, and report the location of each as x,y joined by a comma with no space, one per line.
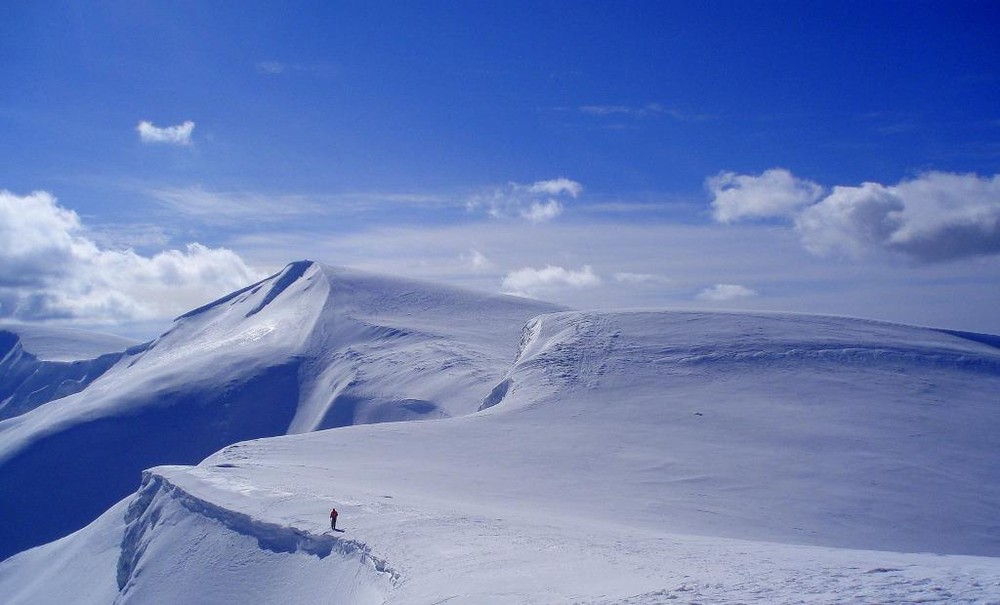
792,156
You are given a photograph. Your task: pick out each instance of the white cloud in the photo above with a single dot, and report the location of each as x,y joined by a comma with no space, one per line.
537,202
171,135
936,216
35,237
947,216
540,213
50,268
533,282
556,187
774,193
641,278
723,292
476,260
851,220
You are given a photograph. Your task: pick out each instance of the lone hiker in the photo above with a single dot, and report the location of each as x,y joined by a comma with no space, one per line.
333,519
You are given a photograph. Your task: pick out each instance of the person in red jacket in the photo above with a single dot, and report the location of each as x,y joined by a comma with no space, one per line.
333,519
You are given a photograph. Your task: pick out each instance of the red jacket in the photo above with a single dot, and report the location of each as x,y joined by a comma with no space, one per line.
333,514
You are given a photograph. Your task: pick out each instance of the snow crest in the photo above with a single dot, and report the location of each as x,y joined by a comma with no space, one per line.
710,457
27,381
311,348
157,492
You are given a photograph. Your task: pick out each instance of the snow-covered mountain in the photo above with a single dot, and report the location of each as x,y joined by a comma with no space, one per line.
310,348
631,457
40,363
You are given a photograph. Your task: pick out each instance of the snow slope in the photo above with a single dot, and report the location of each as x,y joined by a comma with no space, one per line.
39,364
635,458
54,343
310,348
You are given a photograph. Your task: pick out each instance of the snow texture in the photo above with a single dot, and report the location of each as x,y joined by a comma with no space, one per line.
40,364
313,347
631,457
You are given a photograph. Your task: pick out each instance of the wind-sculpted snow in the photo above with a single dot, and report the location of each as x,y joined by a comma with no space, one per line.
574,349
874,436
158,494
639,457
652,457
28,380
51,343
895,430
313,347
289,276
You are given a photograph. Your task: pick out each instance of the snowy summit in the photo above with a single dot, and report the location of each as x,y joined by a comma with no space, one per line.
495,449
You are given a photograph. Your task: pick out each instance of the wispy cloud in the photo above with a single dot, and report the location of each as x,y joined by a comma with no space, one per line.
647,110
225,207
271,68
724,292
641,278
936,216
557,187
540,212
235,208
170,135
475,260
282,68
538,202
51,269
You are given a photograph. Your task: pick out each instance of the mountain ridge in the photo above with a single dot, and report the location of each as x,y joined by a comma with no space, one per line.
567,456
312,347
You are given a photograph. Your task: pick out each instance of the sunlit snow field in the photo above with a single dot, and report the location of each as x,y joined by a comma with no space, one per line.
498,450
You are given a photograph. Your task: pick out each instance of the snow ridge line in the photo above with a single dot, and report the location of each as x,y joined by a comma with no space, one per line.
859,354
29,382
142,516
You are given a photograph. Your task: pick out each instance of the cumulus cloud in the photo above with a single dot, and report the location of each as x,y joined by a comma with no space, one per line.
51,269
538,202
774,193
171,135
936,216
35,237
850,220
723,292
533,282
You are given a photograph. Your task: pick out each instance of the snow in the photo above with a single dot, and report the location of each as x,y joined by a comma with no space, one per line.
312,347
53,343
39,364
630,457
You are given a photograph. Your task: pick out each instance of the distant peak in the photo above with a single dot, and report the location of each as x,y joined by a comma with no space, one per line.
291,274
299,265
279,283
